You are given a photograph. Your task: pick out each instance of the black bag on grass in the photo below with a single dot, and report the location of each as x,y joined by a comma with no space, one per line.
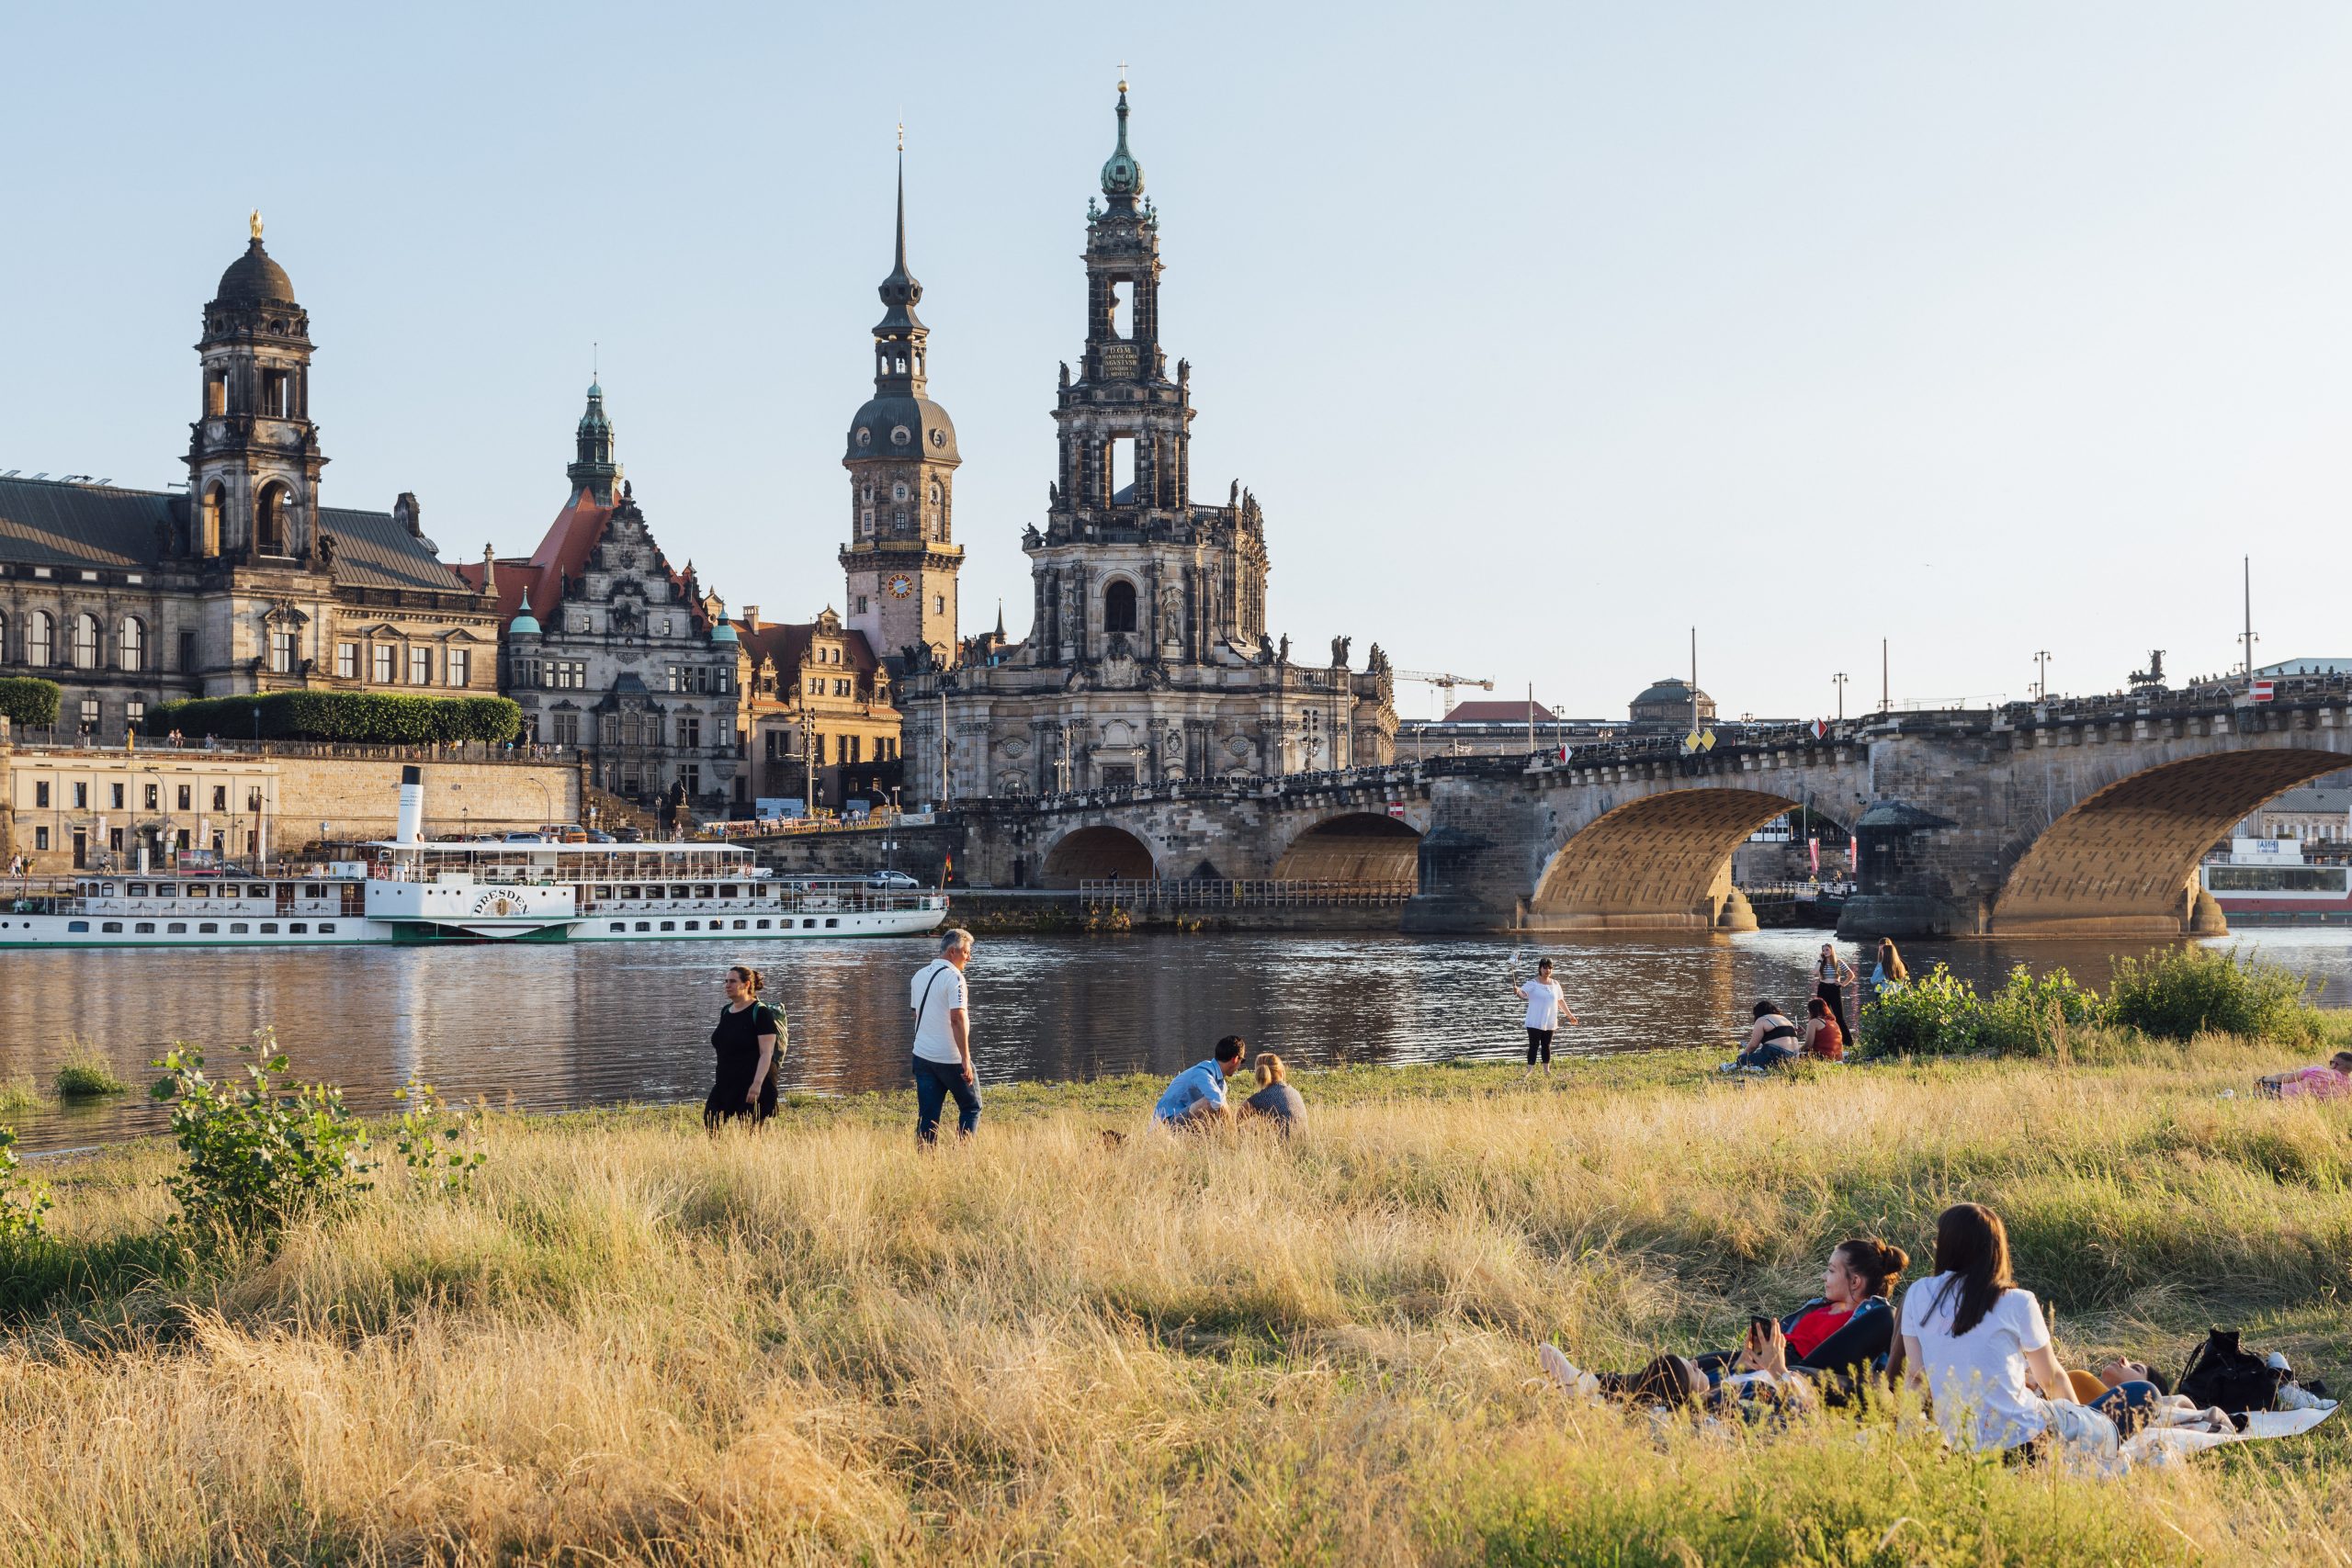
2220,1373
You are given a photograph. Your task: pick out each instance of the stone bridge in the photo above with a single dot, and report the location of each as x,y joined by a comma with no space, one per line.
2080,818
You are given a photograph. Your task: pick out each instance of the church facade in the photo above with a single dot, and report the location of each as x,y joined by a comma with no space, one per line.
1149,657
246,582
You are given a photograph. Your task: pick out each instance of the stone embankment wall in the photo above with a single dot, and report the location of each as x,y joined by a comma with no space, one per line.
360,800
921,851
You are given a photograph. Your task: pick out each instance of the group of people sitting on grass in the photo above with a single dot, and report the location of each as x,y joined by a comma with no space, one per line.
1968,1339
1196,1099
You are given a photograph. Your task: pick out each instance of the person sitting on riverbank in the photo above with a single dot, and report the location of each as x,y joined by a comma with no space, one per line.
1837,1339
1771,1039
1764,1383
1977,1344
2332,1081
1275,1103
1821,1039
1196,1098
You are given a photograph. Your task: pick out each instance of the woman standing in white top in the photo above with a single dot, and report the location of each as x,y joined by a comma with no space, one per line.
1546,1005
1977,1344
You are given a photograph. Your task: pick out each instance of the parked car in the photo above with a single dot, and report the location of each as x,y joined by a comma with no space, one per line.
524,839
627,834
892,879
566,833
598,837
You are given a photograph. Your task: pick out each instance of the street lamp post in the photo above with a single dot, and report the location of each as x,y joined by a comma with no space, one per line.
1840,679
2042,677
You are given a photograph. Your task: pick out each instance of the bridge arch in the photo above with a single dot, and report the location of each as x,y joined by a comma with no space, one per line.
1660,862
1096,852
2121,860
1355,846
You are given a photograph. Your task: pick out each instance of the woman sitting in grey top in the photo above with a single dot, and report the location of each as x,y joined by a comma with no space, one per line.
1276,1100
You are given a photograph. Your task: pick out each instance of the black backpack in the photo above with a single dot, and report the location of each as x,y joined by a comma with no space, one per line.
2220,1373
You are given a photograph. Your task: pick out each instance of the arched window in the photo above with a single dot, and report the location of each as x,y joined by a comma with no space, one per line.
133,644
85,642
208,524
41,638
1119,608
270,522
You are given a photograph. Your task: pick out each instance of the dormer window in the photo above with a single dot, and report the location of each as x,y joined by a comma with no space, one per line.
865,436
900,436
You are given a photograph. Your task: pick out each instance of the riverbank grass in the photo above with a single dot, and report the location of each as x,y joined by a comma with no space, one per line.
630,1342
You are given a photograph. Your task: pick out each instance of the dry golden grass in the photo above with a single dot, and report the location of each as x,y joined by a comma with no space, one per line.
635,1344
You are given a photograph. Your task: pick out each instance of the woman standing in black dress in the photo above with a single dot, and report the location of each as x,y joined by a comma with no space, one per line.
750,1042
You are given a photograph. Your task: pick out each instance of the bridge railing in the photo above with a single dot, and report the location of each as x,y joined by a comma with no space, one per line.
1240,893
1781,890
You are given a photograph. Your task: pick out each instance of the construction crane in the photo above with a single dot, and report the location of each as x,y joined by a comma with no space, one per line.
1441,682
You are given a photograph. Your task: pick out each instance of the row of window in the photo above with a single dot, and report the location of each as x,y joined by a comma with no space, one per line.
700,678
84,645
846,748
152,795
937,529
206,928
807,923
385,663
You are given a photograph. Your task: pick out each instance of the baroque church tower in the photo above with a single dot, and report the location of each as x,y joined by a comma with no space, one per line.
902,559
254,460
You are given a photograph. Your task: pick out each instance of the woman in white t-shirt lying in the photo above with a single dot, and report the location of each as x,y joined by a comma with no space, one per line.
1977,1346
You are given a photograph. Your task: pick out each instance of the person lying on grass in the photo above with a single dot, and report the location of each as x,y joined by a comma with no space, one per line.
1764,1383
1837,1339
2332,1081
1978,1346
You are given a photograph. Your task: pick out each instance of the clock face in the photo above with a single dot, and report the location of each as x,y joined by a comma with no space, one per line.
900,586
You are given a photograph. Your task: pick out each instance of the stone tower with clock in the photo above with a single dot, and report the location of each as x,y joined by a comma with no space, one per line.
902,558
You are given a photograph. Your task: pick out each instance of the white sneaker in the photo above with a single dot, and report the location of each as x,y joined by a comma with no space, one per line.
1566,1374
2294,1396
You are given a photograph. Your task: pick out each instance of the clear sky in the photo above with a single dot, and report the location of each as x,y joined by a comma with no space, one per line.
1541,333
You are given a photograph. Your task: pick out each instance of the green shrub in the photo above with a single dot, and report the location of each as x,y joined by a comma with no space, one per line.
16,1096
2190,991
85,1075
29,702
259,1156
23,1201
372,719
440,1146
1936,1014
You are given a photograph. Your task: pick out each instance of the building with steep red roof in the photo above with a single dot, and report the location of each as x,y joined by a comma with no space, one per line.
610,649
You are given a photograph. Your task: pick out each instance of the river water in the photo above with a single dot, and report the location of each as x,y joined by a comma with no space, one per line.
544,1027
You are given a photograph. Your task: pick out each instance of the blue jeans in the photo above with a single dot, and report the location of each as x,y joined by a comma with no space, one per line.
934,1081
2127,1405
1770,1054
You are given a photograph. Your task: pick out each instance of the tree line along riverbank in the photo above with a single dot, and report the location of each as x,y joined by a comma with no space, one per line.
624,1340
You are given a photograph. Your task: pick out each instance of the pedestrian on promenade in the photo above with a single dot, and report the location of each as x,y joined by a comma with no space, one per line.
943,1048
1831,976
749,1043
1196,1098
1546,1005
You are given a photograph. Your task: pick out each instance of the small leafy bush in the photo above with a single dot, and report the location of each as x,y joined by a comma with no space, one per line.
441,1147
1937,1014
85,1075
262,1153
2034,1018
16,1096
2190,991
24,1201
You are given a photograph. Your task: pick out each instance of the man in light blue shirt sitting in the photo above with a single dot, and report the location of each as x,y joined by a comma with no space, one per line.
1197,1098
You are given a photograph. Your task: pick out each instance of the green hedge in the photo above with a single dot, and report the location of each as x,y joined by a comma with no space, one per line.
29,704
374,718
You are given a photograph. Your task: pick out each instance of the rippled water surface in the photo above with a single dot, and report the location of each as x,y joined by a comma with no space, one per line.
603,1022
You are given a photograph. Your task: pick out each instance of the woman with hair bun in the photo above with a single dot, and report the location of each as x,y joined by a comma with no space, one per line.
749,1042
1837,1339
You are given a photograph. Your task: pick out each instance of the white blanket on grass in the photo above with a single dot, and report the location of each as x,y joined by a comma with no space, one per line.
2163,1445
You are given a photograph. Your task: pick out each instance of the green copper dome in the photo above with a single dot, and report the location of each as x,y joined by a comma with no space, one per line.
1121,175
524,624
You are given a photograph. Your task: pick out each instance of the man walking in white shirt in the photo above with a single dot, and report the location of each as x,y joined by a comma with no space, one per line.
943,1048
1546,1005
